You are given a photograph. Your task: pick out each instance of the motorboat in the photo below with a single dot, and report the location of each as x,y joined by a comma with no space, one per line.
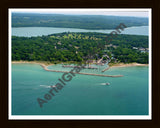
53,86
107,83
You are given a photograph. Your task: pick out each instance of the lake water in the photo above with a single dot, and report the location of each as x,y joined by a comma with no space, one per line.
39,31
83,95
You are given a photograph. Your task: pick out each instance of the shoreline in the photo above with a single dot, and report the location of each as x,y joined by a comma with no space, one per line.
46,63
127,65
120,65
44,66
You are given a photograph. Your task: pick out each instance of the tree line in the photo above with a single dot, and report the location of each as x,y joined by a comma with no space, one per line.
74,21
79,47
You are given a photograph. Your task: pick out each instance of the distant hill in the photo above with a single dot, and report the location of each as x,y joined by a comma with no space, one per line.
74,21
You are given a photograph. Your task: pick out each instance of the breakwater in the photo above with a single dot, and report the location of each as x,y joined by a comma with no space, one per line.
102,75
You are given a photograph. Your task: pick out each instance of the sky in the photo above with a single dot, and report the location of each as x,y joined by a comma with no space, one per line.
113,12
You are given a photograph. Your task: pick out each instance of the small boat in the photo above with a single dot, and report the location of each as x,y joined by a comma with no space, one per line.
53,86
107,83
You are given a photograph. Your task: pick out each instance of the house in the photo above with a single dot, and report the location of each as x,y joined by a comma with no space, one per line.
76,47
135,48
147,49
59,43
142,50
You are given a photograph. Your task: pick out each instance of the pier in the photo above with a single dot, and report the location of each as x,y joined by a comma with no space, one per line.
45,68
105,69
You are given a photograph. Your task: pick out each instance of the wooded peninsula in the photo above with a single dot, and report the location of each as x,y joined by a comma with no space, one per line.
81,47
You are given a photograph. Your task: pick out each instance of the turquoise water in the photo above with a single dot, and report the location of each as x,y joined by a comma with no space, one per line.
83,95
95,71
39,31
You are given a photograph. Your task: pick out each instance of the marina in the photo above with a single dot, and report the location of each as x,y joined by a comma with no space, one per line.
86,67
102,75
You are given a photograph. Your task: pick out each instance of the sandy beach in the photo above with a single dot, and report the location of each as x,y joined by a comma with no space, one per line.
127,65
33,62
46,63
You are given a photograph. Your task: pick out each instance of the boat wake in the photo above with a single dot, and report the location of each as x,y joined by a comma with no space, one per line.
105,84
48,86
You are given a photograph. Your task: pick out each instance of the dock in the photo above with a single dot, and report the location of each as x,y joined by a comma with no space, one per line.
102,75
86,67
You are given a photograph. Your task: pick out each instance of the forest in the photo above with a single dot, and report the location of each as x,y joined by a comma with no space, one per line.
80,47
74,21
